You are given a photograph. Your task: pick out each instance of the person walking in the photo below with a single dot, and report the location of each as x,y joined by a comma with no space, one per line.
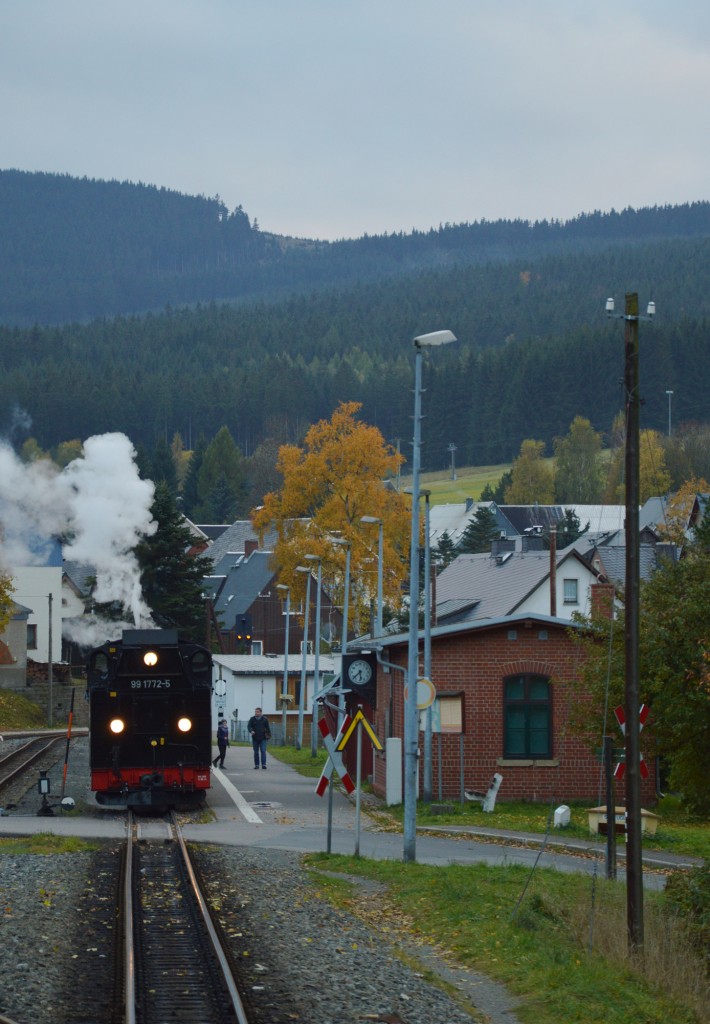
260,732
222,742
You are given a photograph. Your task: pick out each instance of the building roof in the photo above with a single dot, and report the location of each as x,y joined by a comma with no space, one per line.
210,531
601,518
484,586
479,625
267,664
80,575
240,586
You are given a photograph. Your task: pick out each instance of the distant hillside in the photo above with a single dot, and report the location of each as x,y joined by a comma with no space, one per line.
535,349
77,249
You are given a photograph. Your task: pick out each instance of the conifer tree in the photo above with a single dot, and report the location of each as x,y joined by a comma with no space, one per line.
481,530
171,578
445,551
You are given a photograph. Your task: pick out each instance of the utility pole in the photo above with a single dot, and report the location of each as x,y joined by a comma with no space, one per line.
670,396
50,667
634,863
452,449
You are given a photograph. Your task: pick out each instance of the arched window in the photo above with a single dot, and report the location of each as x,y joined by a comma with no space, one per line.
528,716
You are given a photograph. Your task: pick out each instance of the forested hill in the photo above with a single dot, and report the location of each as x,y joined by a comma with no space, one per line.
76,249
534,351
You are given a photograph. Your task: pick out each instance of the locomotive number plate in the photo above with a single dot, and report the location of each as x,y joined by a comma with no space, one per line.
150,684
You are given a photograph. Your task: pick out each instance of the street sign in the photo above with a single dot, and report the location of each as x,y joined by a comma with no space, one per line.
359,720
620,715
335,761
426,693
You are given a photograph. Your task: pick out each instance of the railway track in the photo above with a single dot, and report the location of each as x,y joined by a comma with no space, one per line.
173,964
18,761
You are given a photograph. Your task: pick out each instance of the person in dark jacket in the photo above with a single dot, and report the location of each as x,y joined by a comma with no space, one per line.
260,732
222,742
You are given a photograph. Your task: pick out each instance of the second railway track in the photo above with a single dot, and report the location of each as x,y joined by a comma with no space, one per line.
174,966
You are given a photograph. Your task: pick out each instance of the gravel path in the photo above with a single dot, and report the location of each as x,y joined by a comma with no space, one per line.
331,965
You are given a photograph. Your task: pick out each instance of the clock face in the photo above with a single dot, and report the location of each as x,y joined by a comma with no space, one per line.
360,672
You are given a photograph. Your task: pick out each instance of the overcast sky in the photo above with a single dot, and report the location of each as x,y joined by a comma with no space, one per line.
332,118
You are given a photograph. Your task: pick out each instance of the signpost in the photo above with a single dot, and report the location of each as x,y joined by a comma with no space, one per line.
358,723
426,693
620,714
334,761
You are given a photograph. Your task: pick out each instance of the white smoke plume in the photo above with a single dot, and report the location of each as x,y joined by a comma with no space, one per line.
98,504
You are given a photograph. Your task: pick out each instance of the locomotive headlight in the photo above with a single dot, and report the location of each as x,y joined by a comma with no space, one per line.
184,724
150,658
117,725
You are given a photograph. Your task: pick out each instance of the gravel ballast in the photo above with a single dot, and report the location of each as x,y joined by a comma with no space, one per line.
294,949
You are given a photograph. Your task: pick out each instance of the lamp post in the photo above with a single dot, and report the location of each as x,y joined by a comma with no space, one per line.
380,545
670,395
421,342
428,724
304,654
284,686
634,866
342,542
316,675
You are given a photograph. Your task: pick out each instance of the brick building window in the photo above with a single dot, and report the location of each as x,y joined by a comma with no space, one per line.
527,717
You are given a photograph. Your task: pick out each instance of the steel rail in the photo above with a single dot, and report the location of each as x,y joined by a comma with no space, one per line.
237,1004
129,957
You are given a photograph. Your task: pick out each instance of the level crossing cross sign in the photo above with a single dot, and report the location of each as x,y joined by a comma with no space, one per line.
620,715
335,760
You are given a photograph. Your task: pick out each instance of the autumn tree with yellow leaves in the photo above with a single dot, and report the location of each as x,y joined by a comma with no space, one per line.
337,477
6,590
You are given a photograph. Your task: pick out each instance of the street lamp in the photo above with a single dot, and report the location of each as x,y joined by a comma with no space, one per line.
421,342
342,542
380,542
428,724
304,653
316,676
670,395
284,687
634,865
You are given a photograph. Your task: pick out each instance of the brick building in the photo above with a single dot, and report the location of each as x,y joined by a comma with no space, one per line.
504,698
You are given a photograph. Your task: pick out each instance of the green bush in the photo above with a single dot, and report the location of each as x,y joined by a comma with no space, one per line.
688,894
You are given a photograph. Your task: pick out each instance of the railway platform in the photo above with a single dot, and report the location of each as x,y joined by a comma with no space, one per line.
278,808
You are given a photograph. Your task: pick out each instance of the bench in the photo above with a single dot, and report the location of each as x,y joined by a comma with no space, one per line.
488,799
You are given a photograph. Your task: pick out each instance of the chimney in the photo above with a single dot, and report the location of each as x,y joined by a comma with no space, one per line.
250,546
531,542
602,597
553,571
500,547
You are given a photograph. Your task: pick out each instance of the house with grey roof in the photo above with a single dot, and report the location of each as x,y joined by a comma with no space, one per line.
509,582
250,610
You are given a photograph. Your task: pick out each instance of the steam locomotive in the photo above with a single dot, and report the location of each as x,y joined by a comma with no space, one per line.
150,733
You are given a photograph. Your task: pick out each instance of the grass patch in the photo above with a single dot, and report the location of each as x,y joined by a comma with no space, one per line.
301,760
46,843
17,712
678,831
539,946
469,482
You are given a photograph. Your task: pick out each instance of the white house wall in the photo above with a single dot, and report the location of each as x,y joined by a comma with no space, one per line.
253,681
33,586
538,601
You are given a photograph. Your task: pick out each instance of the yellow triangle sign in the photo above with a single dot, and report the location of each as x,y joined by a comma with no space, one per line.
359,719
